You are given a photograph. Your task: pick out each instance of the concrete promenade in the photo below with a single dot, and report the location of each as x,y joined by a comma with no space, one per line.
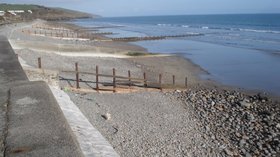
31,122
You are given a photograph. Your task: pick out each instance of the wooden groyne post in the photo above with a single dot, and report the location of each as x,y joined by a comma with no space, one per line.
186,82
160,82
114,80
137,81
145,80
39,63
97,79
173,80
129,78
153,37
77,76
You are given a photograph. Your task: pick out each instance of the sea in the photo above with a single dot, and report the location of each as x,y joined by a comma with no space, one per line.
240,50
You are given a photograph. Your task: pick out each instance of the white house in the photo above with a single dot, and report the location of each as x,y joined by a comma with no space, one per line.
2,13
15,12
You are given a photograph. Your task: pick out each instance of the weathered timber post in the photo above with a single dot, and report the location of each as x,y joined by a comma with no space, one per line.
129,78
77,76
173,80
145,79
160,82
39,63
114,80
97,79
186,82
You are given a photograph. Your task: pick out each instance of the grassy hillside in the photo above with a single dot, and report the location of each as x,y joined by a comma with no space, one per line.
41,12
58,14
4,7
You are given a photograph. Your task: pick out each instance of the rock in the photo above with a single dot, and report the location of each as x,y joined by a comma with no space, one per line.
249,124
178,91
238,134
204,99
222,147
248,154
245,137
220,108
242,142
251,116
243,150
207,128
246,104
107,116
229,152
231,97
226,115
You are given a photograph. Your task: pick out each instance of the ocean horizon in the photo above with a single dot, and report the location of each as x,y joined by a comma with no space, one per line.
241,50
188,15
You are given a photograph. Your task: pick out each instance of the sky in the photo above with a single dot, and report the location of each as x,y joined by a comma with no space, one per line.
112,8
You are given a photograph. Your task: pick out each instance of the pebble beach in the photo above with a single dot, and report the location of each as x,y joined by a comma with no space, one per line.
204,119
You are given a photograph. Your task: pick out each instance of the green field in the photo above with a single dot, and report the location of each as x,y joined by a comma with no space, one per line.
4,7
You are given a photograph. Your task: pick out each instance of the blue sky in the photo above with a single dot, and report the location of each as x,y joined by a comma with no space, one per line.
161,7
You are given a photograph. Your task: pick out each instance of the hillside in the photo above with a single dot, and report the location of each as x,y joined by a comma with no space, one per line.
38,12
59,14
4,6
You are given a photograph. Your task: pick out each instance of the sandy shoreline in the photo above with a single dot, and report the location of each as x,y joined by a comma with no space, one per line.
146,123
150,64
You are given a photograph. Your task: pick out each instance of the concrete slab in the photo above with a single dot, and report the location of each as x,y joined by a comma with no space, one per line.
90,139
10,73
31,122
36,125
10,68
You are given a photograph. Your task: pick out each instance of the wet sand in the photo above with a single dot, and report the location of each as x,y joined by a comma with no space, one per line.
153,65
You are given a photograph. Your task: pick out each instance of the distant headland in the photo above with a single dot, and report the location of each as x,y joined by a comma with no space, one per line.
26,12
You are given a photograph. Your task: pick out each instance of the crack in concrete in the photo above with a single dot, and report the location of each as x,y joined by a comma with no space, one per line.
5,132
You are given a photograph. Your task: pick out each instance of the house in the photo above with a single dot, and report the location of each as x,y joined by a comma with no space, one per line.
2,13
15,12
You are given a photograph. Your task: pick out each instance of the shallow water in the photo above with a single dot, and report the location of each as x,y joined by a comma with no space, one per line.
237,50
240,67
